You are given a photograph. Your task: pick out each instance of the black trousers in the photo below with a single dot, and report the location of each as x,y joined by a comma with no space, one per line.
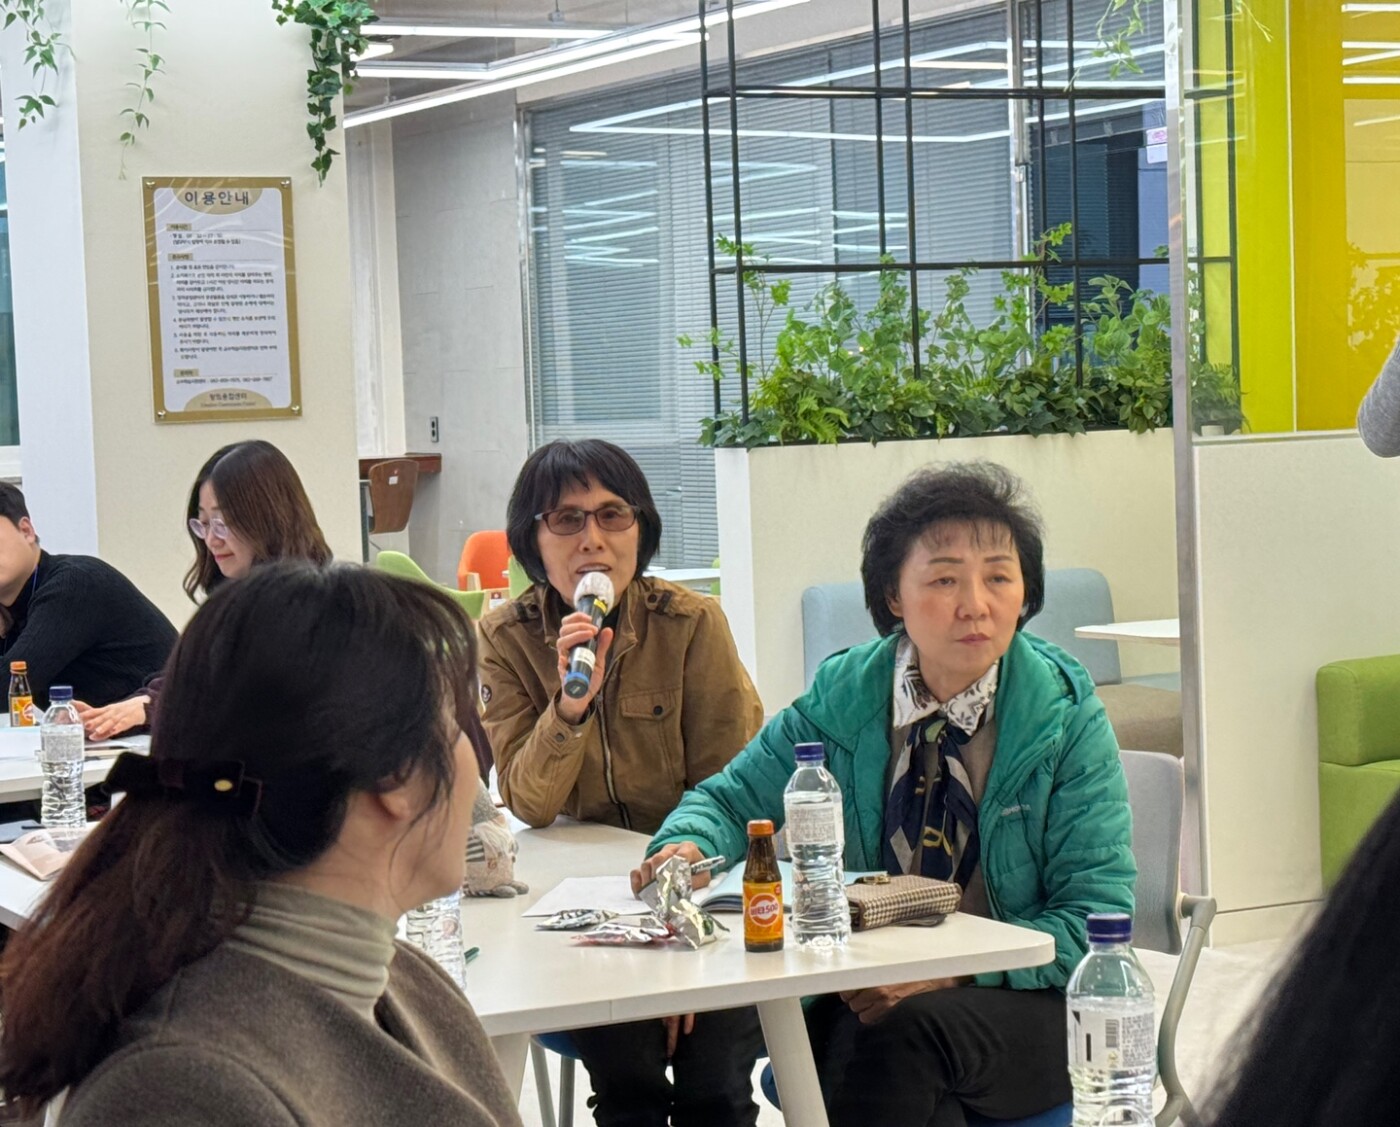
713,1069
1001,1053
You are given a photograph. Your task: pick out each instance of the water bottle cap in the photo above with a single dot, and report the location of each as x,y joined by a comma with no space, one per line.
809,753
60,693
1110,927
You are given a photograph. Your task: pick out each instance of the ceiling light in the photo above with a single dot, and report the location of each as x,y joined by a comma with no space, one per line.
486,31
481,89
544,66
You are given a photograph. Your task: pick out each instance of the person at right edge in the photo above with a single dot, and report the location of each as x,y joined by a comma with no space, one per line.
1379,417
966,750
669,704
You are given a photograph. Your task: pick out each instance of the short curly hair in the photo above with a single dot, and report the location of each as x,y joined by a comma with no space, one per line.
981,494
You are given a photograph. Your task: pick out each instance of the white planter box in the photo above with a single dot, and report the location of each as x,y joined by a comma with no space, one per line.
791,517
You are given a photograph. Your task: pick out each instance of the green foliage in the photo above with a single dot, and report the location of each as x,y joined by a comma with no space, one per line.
142,15
41,47
1131,349
337,40
833,372
1215,389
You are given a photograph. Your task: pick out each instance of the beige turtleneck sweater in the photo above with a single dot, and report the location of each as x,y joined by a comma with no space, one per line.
310,1015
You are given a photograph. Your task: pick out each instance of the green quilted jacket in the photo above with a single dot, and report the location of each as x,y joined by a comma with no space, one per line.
1056,831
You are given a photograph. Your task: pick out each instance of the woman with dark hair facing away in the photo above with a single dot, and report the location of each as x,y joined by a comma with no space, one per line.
247,506
221,949
1320,1049
966,750
668,705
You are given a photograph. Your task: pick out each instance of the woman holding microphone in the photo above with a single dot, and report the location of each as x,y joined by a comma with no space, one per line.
666,706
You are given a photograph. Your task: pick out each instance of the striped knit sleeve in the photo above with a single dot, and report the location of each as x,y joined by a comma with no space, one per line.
1379,418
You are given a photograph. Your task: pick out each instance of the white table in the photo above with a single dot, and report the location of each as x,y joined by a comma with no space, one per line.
527,981
1154,632
20,776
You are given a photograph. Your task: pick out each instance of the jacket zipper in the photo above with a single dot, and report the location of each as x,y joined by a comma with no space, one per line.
607,749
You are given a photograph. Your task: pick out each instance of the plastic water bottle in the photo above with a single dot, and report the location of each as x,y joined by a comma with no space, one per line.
816,838
436,929
63,802
1112,1030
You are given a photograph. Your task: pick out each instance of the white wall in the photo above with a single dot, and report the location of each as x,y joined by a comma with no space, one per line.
1299,550
793,517
461,310
101,476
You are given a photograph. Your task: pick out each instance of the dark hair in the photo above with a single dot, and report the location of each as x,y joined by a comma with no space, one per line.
980,494
1320,1046
12,506
262,500
322,682
553,468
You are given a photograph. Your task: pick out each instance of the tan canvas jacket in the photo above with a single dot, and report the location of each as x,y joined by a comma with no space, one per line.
676,705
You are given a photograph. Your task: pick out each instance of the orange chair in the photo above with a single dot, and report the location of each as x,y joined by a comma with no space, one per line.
487,555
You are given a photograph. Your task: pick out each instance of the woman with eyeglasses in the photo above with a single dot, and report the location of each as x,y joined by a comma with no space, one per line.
247,506
220,951
668,706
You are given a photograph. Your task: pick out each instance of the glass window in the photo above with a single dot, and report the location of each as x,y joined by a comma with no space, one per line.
618,258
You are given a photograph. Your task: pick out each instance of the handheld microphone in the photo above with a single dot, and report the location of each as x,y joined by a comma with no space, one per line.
594,596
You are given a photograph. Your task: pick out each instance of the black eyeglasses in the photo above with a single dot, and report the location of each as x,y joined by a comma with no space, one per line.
614,517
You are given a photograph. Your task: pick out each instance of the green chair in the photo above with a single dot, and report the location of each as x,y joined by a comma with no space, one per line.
1358,749
517,579
396,563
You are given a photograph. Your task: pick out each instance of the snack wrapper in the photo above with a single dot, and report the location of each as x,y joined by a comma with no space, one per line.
669,897
575,919
648,931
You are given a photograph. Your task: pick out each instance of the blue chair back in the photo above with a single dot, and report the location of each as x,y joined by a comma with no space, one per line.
834,618
1079,596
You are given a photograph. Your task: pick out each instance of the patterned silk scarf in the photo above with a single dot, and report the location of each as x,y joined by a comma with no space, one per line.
944,823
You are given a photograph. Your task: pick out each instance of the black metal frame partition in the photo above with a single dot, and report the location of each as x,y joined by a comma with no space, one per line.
880,93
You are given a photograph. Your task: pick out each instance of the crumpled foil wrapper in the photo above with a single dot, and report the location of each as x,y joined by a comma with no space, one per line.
648,931
669,897
575,919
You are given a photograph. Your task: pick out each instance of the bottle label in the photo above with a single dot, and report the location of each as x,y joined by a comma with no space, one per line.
763,912
816,823
22,712
1112,1040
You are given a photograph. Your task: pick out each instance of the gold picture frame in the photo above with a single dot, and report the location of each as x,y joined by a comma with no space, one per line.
224,341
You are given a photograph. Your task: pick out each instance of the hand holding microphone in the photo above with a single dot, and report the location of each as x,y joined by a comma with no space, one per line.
583,646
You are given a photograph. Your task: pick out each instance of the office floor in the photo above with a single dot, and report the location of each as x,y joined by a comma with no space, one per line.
1228,981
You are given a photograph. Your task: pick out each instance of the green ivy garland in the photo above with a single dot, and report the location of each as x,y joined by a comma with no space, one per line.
337,40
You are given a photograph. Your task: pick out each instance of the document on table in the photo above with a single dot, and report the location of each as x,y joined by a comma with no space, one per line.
611,893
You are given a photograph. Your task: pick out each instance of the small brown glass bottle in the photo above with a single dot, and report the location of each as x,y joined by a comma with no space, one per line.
763,891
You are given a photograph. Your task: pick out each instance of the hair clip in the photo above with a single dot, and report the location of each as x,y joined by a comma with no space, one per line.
223,784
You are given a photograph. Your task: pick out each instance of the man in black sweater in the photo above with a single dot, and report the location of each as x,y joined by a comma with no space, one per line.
74,619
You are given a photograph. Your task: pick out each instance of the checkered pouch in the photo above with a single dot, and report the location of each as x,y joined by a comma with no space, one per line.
877,901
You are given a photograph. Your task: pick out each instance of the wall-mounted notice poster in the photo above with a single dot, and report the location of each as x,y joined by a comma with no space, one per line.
222,288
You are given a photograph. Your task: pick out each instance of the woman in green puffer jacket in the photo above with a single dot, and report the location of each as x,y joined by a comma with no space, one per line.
966,750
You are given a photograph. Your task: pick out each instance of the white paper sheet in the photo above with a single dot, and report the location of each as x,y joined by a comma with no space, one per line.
611,893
